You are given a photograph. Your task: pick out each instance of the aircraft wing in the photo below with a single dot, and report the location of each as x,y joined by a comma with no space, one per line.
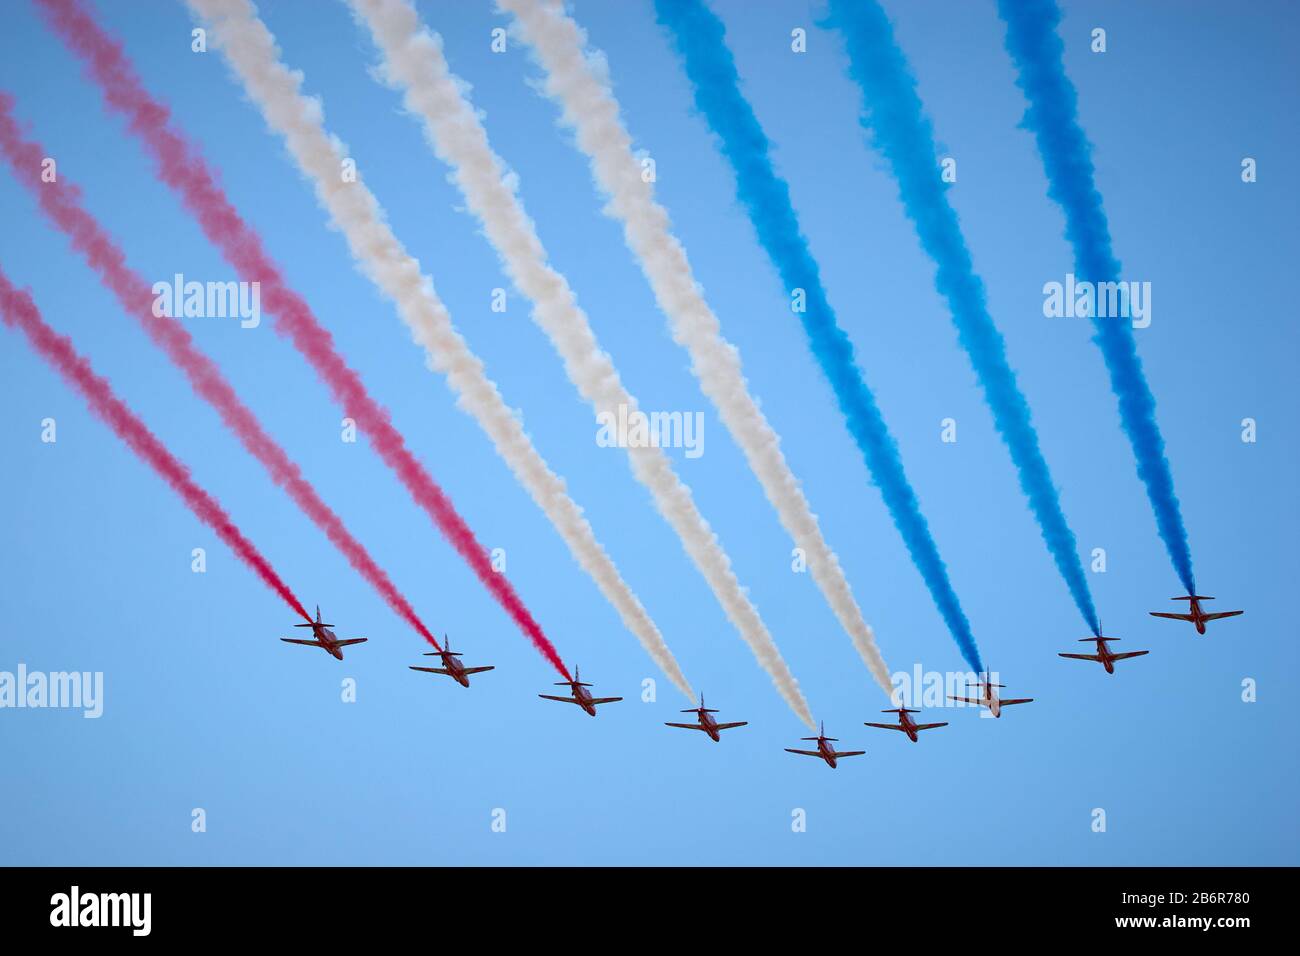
1172,617
738,723
968,700
295,640
1018,700
1120,657
433,670
562,700
605,700
848,753
1083,657
806,753
931,726
885,726
1215,617
480,670
351,640
686,726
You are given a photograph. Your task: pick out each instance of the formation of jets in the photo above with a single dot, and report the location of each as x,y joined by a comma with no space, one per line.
986,692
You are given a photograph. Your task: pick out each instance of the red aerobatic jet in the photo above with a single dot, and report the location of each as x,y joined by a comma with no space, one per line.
824,750
1195,614
323,637
1104,656
707,723
581,696
451,666
905,723
989,698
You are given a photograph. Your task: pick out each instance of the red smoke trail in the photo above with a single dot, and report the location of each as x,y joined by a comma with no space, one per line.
61,202
17,309
181,167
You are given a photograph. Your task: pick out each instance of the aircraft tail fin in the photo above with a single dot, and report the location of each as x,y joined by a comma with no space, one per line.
316,623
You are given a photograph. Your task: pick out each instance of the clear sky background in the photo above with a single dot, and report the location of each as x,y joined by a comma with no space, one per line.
205,708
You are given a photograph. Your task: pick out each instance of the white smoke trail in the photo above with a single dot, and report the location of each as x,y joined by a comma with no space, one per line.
413,62
579,83
252,52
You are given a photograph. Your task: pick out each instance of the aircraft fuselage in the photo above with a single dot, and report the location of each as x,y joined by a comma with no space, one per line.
583,697
327,641
457,670
909,728
1198,616
827,751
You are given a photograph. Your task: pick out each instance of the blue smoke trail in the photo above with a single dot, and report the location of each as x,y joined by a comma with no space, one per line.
1067,156
698,35
897,126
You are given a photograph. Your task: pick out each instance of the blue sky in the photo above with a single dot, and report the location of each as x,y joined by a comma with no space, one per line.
204,708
